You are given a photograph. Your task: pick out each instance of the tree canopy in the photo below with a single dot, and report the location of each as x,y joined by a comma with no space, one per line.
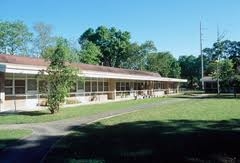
90,53
190,69
164,63
112,43
60,76
14,37
224,62
43,39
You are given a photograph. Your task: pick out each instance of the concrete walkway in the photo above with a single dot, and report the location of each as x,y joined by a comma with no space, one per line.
34,147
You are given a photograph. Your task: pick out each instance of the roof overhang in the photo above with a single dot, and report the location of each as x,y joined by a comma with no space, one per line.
30,69
109,75
208,79
21,69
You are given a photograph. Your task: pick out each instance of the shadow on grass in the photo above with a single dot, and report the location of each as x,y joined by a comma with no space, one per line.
27,113
151,141
209,96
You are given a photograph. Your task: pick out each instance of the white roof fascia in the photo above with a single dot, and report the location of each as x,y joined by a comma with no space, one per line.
124,76
30,69
25,69
110,75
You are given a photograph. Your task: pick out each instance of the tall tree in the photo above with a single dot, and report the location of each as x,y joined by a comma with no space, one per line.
43,39
190,69
164,63
137,55
224,62
222,70
112,43
90,53
225,50
14,37
60,76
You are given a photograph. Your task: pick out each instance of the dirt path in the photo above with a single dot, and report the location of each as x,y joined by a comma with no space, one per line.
34,147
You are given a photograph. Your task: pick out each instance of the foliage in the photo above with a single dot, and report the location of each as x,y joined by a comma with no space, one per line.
225,49
138,55
163,63
222,70
43,40
190,70
14,37
112,43
60,75
90,53
229,67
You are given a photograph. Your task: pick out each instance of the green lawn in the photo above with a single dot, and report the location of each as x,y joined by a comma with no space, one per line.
8,136
197,130
78,111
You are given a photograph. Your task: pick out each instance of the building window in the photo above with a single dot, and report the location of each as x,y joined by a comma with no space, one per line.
94,86
135,86
32,85
19,86
123,86
100,86
87,86
105,86
8,87
127,86
80,85
118,88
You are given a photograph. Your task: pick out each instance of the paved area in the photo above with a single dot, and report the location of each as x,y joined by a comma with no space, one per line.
34,147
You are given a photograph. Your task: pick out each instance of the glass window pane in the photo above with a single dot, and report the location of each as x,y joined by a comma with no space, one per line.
8,82
135,86
105,86
8,91
127,86
100,86
123,86
118,86
19,90
80,85
32,85
94,86
87,86
20,83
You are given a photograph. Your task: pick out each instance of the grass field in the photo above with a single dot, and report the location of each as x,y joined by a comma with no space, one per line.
78,111
197,130
8,136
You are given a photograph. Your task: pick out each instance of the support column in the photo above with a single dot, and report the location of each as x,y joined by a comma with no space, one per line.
112,89
178,85
2,86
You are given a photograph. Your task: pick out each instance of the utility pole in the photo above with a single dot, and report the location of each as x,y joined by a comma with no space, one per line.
202,71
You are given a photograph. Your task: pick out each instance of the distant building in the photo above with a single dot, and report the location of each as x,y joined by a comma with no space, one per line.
20,86
210,84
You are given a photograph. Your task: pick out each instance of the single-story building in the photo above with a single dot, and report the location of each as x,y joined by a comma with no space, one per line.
21,89
210,84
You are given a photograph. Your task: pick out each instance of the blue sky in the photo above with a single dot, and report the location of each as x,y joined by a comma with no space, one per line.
172,24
